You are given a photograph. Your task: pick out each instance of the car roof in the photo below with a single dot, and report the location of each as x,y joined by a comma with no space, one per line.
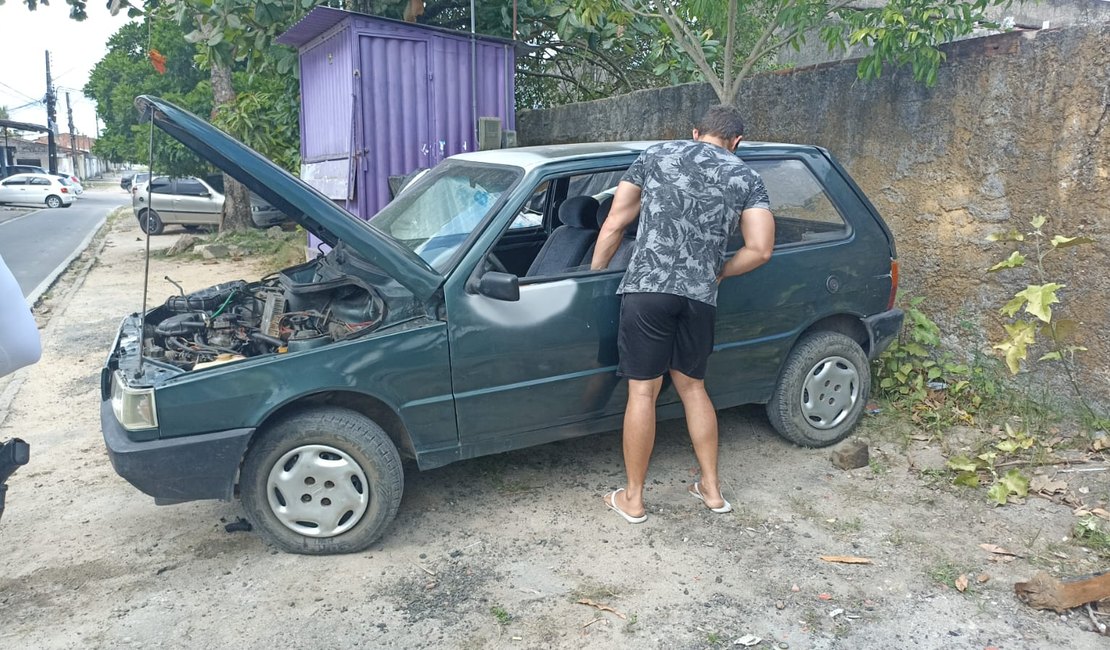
531,157
31,175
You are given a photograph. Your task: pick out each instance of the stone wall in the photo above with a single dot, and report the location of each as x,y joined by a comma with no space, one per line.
1017,125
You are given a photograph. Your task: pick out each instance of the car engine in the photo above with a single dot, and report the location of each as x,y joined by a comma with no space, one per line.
236,320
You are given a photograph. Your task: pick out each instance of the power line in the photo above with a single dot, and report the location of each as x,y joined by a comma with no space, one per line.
20,92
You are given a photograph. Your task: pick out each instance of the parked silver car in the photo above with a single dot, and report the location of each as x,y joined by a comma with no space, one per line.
190,202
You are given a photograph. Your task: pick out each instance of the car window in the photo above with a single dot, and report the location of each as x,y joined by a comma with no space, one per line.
803,211
15,180
161,186
190,187
531,213
550,255
436,215
38,181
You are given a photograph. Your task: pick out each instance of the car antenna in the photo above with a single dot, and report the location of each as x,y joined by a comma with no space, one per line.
146,229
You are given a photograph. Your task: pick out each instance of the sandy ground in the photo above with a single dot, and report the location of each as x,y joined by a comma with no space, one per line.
498,552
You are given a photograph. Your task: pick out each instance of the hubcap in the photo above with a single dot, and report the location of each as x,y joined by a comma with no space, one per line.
317,491
830,391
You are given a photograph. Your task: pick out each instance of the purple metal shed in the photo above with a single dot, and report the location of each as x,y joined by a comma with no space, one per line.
381,97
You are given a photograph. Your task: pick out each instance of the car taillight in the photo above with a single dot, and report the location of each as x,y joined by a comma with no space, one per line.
65,190
893,283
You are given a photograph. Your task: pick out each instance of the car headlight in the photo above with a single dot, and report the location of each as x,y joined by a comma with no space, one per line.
133,407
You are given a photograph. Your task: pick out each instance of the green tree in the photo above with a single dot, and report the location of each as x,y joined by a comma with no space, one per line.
126,72
724,40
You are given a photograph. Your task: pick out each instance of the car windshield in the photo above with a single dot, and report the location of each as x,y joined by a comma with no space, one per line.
434,216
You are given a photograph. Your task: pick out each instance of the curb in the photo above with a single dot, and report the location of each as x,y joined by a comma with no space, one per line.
37,292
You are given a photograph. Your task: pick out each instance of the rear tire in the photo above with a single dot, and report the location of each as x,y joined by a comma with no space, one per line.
322,481
53,201
822,390
150,222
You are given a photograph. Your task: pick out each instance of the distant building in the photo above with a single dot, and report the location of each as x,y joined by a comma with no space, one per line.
74,155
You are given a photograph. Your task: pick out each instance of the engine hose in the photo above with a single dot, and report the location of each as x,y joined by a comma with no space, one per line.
266,338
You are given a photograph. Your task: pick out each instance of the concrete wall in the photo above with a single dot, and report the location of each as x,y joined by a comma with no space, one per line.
1029,14
1017,125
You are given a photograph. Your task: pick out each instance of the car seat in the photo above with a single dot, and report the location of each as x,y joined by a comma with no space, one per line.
568,243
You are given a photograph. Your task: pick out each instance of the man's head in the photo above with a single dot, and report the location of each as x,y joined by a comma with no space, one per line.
721,125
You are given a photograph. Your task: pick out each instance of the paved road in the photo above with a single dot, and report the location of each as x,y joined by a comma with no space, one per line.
37,245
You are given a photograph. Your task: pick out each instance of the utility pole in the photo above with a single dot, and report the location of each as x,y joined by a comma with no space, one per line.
51,121
72,137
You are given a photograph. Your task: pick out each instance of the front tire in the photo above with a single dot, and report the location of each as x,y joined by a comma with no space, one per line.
322,481
822,390
150,222
53,201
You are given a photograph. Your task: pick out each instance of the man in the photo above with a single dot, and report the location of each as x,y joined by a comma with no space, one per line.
688,195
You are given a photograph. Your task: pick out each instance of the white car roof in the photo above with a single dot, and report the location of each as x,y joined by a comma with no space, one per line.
530,157
33,175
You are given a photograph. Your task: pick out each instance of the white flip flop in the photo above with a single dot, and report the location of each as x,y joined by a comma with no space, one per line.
612,503
696,493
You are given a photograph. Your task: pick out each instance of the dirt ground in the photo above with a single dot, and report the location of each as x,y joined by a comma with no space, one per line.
499,551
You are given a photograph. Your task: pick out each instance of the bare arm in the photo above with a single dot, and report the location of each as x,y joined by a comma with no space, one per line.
757,225
626,205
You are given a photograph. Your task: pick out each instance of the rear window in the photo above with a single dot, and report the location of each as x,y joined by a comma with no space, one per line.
803,211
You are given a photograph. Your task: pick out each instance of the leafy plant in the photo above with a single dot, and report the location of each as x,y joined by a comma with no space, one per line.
970,470
915,372
1091,532
1031,308
503,617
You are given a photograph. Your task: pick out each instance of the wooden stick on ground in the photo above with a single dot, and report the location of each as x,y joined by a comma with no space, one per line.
1045,592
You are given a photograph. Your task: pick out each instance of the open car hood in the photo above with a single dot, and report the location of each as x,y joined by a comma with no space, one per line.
298,200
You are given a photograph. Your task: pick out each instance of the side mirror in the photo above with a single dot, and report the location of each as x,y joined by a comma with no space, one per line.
499,286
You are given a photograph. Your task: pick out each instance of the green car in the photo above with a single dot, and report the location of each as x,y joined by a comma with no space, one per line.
463,320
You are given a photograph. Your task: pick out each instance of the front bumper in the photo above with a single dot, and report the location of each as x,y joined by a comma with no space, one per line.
175,470
882,329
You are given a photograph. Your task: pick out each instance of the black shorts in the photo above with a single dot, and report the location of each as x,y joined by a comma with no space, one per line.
660,332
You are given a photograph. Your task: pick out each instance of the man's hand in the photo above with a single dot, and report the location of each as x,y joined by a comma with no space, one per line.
757,225
626,206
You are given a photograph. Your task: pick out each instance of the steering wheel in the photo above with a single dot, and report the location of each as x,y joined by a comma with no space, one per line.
495,264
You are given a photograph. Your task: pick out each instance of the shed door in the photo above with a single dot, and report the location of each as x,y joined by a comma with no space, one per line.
395,113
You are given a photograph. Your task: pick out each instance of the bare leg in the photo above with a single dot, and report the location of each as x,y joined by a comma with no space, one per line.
639,439
701,420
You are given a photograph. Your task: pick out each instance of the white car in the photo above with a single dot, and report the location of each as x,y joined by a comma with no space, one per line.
74,182
37,189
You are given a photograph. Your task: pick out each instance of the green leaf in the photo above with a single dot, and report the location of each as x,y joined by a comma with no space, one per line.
1039,298
998,494
1059,241
1038,221
1051,356
967,479
1015,304
1014,260
962,464
1015,483
1022,335
1008,446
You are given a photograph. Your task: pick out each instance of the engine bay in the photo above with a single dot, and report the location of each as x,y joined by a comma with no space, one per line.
297,309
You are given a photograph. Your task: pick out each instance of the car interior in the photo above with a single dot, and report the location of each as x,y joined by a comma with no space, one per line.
556,229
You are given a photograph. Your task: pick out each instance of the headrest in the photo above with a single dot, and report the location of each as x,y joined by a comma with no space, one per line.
579,212
603,208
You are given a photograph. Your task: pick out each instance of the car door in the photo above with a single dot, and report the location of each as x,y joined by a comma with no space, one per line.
541,367
38,188
194,203
12,189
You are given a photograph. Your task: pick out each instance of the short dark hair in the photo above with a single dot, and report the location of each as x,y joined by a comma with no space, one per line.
721,121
